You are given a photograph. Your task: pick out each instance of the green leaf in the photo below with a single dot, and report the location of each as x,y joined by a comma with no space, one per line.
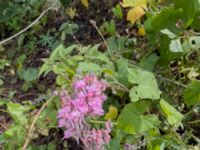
1,82
117,44
189,8
122,74
157,144
90,67
15,135
114,144
30,74
132,119
48,116
148,63
56,53
59,68
117,11
3,102
166,19
168,33
110,27
145,81
166,56
175,46
66,51
192,43
46,68
173,116
17,112
192,94
60,80
69,28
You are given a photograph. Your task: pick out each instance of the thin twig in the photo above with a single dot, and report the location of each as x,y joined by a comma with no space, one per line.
29,26
34,121
104,40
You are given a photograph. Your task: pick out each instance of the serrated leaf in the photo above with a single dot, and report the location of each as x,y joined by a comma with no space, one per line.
90,67
192,93
112,113
144,81
173,116
16,135
17,112
85,3
46,68
69,28
135,14
55,54
117,11
132,119
175,46
66,51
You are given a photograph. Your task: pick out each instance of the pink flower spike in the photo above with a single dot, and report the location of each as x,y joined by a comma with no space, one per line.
79,84
85,101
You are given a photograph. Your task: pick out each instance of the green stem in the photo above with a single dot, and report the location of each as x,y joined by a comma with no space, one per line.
95,26
193,122
118,83
100,122
3,111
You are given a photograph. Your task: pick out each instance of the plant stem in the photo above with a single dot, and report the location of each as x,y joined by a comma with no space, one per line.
95,26
100,122
34,122
193,122
3,111
29,26
118,83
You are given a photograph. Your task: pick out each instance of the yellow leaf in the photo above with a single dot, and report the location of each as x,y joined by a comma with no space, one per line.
135,14
112,113
141,31
71,12
134,3
85,3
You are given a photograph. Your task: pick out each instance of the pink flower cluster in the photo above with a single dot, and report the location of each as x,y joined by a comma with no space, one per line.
96,139
86,101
